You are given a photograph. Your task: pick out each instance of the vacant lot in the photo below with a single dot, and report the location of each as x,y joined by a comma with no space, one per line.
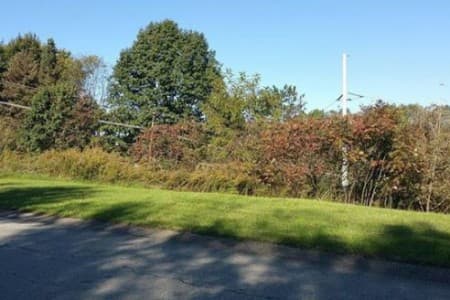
398,235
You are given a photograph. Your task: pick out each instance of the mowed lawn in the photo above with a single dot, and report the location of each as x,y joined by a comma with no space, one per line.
398,235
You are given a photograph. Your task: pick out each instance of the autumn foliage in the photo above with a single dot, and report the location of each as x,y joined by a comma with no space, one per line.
171,145
398,157
224,132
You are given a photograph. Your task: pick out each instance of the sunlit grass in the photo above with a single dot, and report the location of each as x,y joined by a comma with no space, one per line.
400,235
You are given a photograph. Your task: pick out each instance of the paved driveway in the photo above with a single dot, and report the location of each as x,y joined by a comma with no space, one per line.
49,258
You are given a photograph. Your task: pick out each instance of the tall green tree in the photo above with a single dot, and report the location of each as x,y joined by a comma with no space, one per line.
164,77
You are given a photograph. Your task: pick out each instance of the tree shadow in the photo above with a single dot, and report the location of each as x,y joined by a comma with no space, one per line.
415,243
78,260
20,198
420,243
9,183
128,213
44,258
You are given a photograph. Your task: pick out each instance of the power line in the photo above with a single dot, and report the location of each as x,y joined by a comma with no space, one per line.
356,95
333,103
120,124
15,105
338,99
100,121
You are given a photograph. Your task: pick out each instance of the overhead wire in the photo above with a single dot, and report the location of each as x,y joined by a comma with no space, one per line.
100,121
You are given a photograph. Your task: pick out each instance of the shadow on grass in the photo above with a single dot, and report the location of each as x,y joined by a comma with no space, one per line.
9,183
127,213
417,243
420,243
23,197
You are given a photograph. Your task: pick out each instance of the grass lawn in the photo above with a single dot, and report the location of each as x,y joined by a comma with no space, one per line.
398,235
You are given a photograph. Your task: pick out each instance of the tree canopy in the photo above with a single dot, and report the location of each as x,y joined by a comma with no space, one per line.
163,77
51,82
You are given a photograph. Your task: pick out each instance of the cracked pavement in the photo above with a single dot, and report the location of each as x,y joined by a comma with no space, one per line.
59,258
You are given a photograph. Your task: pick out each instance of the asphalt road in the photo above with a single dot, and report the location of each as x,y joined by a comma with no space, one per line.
50,258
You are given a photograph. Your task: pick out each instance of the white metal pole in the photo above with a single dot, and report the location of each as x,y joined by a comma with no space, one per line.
344,98
344,85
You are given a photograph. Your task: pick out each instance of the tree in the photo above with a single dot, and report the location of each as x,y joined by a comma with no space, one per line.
374,166
21,79
51,81
430,145
3,66
236,100
47,70
3,61
59,119
238,105
19,65
69,69
29,42
163,78
224,109
292,103
27,65
82,125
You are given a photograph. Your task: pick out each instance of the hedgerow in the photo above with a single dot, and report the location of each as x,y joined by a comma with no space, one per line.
394,160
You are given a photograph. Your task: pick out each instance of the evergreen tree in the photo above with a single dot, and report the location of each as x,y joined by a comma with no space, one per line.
51,108
51,81
28,42
3,66
3,62
20,59
20,81
47,70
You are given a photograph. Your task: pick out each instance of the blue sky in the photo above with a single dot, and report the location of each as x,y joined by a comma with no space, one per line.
399,50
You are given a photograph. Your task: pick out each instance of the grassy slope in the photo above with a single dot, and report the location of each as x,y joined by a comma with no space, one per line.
399,235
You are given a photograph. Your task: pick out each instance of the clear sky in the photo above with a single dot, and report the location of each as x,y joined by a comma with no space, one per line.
399,50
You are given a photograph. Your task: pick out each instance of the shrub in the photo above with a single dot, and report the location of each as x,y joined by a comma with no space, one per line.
296,156
396,159
97,165
171,145
9,128
90,164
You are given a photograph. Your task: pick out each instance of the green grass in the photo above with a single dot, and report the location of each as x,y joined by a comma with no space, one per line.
397,235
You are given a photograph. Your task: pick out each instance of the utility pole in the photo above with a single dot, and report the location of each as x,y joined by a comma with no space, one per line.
344,85
344,178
